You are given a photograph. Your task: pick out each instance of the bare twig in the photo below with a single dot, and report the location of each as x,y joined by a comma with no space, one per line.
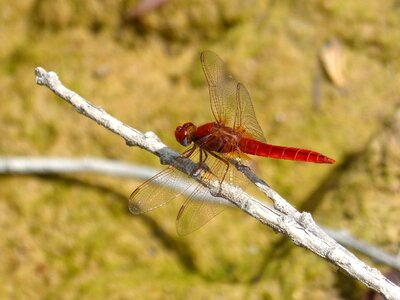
300,227
57,165
378,255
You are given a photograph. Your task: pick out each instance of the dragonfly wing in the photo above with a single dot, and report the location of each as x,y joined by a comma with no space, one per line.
156,191
246,116
159,190
231,103
200,207
162,187
222,87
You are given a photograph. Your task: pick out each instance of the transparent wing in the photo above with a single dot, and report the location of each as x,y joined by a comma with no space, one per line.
246,116
222,88
197,210
230,101
161,188
200,207
157,191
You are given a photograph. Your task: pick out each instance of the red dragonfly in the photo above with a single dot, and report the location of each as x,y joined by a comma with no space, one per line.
234,133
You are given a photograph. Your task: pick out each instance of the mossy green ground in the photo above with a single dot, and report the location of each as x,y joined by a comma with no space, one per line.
72,237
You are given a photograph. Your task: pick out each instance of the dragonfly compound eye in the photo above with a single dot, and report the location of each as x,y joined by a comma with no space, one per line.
182,135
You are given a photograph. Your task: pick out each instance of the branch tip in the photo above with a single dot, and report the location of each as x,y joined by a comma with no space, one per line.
45,78
40,74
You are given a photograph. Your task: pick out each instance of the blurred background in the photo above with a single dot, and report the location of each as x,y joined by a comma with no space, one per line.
323,75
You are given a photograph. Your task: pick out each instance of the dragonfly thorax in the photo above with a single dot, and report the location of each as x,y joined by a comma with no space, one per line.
184,133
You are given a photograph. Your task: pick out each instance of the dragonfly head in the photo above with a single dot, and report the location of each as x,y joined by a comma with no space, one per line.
184,133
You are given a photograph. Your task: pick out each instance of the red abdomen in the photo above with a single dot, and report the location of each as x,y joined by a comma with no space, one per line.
255,147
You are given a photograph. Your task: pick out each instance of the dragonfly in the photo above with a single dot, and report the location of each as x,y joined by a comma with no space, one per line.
231,136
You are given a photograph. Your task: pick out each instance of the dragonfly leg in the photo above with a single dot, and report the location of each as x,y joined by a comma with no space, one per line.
202,161
226,162
204,152
189,152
